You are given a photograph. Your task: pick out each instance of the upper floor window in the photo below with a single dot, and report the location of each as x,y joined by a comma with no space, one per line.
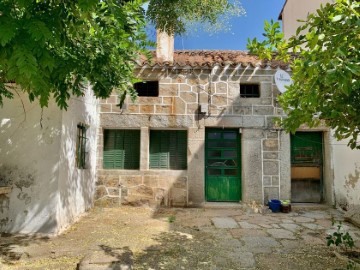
147,88
249,91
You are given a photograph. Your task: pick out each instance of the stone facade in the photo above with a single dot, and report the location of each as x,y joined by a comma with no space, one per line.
182,90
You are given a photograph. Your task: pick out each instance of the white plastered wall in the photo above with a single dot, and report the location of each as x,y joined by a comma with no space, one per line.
48,191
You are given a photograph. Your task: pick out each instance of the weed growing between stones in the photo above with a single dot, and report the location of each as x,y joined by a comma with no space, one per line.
344,241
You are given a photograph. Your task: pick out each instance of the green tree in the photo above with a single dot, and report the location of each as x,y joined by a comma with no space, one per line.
51,47
325,69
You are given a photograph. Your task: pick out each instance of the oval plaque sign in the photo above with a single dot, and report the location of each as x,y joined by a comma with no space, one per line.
282,79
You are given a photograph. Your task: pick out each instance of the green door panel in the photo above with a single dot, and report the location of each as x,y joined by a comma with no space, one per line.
222,165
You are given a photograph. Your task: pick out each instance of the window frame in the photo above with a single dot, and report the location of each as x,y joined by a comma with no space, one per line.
148,92
254,92
81,141
121,144
167,155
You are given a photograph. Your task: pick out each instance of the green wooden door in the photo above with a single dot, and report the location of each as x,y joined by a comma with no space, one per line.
306,167
222,165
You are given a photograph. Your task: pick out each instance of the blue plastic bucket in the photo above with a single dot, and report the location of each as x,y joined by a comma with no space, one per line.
275,205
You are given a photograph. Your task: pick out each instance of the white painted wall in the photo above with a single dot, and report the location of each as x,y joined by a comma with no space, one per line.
295,10
29,162
76,186
346,164
48,191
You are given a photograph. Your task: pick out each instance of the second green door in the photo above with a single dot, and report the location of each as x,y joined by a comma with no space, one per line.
222,165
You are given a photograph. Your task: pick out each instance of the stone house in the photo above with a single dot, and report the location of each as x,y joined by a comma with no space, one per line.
201,130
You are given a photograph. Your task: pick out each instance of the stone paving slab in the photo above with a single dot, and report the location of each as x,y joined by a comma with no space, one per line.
281,234
224,222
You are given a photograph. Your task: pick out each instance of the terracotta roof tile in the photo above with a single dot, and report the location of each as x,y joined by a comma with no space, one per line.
210,58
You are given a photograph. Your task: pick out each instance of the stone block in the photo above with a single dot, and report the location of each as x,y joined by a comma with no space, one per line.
100,192
263,110
181,183
133,108
162,109
271,145
272,135
275,180
165,182
253,121
105,108
141,191
271,167
147,109
271,155
116,109
221,88
185,88
203,79
113,192
204,97
219,100
235,78
150,180
112,181
130,180
160,196
108,202
148,100
189,97
100,180
266,89
192,80
192,108
178,78
178,197
179,107
271,121
112,100
267,180
168,90
271,193
167,100
242,110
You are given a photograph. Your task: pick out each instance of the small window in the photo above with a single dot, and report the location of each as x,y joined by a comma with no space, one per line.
147,88
168,149
249,91
121,149
81,146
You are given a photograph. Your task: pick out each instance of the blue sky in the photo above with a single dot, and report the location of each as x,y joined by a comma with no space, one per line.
249,26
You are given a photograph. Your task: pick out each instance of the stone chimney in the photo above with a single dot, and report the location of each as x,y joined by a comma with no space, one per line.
164,46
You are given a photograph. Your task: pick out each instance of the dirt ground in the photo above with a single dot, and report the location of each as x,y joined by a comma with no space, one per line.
201,238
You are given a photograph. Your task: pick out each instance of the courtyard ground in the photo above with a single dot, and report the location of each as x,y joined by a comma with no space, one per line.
193,238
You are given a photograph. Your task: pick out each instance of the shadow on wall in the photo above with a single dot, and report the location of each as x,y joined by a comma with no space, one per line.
37,161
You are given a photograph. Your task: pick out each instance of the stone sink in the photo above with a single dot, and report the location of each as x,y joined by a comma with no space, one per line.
5,190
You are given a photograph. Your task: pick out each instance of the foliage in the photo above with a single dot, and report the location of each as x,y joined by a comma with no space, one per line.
325,69
340,238
176,15
171,219
52,48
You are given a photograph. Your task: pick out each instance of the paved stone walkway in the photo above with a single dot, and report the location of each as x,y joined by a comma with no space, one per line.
202,238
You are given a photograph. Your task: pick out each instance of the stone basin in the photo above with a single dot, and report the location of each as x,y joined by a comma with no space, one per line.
5,190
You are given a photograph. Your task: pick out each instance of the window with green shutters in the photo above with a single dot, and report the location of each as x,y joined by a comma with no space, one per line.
121,149
168,149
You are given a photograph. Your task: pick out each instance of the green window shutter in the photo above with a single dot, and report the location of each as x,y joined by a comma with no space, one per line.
168,149
121,149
